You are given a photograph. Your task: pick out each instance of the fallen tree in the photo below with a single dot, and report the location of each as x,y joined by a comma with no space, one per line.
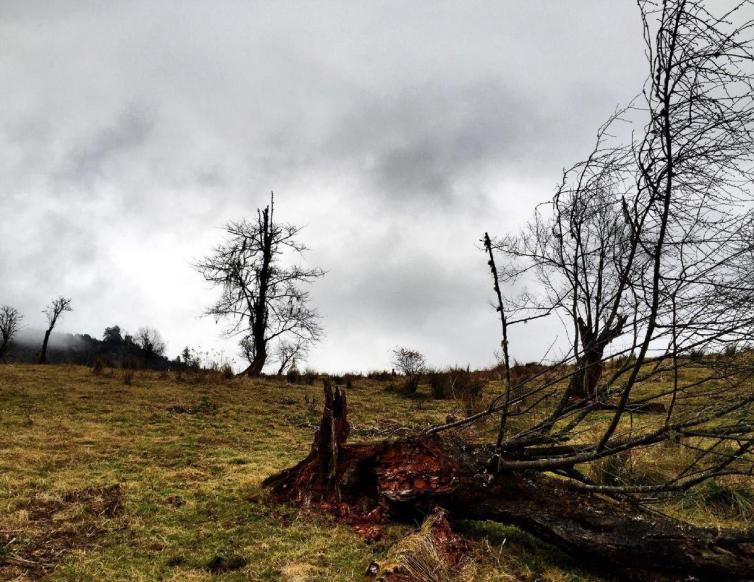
369,483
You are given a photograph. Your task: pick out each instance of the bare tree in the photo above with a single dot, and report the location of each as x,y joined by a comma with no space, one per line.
10,320
264,298
408,361
150,343
288,352
649,248
53,311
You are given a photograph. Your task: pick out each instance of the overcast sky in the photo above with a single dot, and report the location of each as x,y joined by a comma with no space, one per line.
396,132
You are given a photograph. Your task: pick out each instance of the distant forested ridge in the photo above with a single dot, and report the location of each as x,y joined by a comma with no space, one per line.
115,349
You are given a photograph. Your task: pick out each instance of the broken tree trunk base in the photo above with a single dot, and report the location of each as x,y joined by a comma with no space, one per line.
368,483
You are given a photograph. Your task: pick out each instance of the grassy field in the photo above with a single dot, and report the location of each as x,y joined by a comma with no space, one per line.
160,480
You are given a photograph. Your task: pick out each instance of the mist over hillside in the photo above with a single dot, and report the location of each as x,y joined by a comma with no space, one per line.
116,349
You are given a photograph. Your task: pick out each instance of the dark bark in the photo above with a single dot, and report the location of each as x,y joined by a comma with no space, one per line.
53,311
259,321
590,364
369,482
43,352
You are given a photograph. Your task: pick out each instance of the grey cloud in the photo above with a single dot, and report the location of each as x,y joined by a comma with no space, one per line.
423,141
89,159
397,132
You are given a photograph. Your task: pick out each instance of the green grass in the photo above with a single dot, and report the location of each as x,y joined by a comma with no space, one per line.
189,457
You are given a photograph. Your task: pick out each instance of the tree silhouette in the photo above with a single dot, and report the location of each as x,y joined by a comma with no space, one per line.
263,297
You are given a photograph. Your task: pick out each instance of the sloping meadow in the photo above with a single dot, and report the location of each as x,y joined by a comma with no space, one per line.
160,480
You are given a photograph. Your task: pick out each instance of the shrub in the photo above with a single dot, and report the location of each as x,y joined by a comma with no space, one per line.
128,376
227,371
309,377
411,384
523,373
468,389
439,385
293,376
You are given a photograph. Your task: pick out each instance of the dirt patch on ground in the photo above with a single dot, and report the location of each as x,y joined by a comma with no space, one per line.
47,528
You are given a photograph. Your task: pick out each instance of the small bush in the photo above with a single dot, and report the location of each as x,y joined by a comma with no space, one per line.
468,389
523,373
128,376
227,371
439,385
293,376
310,376
411,384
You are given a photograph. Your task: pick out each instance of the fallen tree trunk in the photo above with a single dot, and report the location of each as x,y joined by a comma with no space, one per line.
372,482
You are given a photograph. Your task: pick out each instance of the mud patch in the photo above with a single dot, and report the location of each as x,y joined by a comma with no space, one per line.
50,527
220,564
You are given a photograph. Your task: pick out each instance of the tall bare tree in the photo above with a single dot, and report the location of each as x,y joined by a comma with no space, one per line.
53,311
262,295
10,319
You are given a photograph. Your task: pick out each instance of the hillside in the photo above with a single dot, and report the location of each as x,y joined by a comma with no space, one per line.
160,479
